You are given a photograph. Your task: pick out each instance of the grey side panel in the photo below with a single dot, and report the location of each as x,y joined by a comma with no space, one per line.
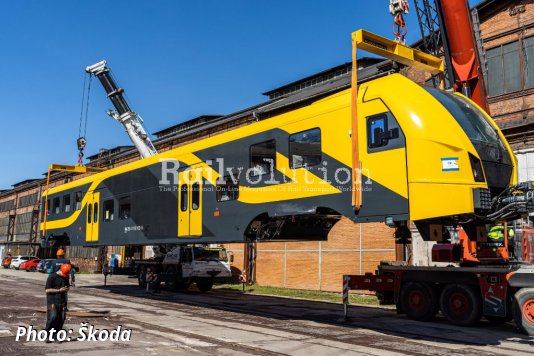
378,202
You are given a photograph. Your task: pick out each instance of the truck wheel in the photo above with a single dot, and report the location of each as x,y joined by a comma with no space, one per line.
204,284
461,304
141,276
523,310
419,301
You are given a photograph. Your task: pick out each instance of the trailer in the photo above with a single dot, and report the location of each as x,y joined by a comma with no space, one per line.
463,292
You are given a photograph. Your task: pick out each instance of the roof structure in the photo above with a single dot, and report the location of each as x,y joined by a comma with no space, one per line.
183,126
108,152
27,181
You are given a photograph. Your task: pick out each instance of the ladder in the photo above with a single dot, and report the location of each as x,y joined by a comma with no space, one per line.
480,46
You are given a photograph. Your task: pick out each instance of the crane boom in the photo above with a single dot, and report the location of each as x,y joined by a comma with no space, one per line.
129,119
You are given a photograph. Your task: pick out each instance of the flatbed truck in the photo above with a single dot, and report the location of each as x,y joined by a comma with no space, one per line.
184,265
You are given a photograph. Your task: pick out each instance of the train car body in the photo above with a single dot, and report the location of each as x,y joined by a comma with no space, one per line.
425,156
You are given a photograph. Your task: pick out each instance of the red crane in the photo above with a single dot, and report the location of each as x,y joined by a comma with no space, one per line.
458,28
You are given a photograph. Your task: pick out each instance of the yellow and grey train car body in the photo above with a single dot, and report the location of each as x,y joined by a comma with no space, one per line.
425,155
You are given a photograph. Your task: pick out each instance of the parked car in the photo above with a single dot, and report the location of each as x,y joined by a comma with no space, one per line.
6,261
44,265
17,261
30,265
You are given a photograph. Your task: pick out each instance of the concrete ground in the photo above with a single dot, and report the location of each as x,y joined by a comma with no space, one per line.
229,323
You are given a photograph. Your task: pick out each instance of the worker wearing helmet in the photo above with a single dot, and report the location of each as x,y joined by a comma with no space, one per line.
57,286
56,266
60,260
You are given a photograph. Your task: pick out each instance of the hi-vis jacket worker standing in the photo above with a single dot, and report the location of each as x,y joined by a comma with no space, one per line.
57,286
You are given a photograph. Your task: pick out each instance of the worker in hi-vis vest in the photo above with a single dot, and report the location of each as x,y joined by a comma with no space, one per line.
496,234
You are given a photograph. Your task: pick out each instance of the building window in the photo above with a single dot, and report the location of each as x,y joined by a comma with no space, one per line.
124,208
183,197
528,62
505,65
109,210
7,205
227,190
78,200
66,203
56,203
27,200
263,157
305,148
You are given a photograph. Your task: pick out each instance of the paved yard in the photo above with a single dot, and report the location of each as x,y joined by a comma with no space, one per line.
227,323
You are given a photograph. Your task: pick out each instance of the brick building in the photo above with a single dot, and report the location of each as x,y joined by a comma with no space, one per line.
506,30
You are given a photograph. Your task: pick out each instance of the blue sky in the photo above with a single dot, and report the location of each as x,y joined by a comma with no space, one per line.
175,59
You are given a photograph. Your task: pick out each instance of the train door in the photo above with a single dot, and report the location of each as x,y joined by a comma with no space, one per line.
383,164
92,217
190,202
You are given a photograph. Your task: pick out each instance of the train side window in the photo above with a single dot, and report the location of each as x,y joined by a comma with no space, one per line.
124,208
305,149
48,207
56,203
109,210
263,157
183,197
227,190
89,213
78,200
95,217
195,196
376,127
66,203
378,134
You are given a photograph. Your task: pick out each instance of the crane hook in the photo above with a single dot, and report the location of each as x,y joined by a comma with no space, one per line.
399,8
81,142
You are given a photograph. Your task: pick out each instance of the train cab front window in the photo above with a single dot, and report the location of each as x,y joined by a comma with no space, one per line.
495,158
470,118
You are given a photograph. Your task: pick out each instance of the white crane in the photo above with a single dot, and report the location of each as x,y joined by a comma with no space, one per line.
132,123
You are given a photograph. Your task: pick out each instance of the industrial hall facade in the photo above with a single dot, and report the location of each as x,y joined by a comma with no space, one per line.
506,32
